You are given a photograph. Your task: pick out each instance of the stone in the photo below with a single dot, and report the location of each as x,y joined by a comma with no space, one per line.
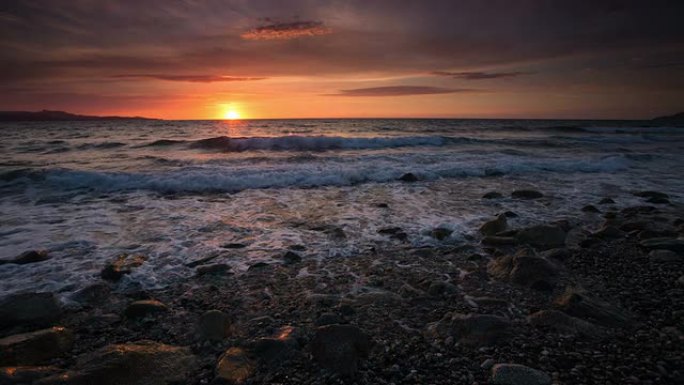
513,374
31,256
525,269
658,201
438,288
494,226
235,366
673,244
202,261
664,256
606,201
122,265
40,309
651,194
560,254
214,325
609,232
258,266
135,363
25,374
590,209
144,308
542,236
378,298
494,240
441,233
213,269
470,329
328,319
564,323
527,194
291,258
339,348
35,347
492,195
94,294
408,177
280,347
580,305
234,246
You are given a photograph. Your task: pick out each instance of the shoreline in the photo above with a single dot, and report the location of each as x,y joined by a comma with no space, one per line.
599,307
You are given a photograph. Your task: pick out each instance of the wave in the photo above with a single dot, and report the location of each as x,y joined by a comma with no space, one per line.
211,179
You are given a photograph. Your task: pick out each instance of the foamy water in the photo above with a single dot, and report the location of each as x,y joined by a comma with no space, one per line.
178,191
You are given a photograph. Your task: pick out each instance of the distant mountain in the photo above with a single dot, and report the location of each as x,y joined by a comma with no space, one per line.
52,116
676,120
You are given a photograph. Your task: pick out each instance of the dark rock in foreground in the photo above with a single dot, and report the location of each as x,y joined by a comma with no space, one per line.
580,305
527,194
41,309
234,366
525,269
564,323
494,226
513,374
139,309
339,348
214,325
470,329
408,177
31,256
122,265
35,347
542,236
25,374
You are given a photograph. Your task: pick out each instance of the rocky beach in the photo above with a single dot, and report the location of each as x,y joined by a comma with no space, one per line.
591,298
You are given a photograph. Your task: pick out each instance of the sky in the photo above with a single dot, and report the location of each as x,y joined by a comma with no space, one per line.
212,59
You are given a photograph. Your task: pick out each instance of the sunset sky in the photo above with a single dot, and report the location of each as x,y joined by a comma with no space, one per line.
203,59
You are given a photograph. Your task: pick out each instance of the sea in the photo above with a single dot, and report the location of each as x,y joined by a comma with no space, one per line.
247,191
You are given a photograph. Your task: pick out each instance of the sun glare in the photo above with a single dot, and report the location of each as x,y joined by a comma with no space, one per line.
231,115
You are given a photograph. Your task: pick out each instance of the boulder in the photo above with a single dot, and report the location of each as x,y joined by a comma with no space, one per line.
92,295
542,236
441,233
578,304
493,240
290,258
527,194
214,325
492,195
564,323
26,257
135,363
121,265
494,226
672,244
339,348
513,374
470,329
40,309
590,209
35,347
664,256
525,269
651,194
235,366
280,347
213,269
139,309
408,177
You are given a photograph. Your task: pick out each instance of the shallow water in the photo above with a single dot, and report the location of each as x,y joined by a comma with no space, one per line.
179,190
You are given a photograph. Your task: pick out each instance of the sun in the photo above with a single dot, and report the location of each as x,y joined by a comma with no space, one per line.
231,115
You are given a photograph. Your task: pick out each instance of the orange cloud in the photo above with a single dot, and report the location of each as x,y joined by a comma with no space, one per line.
400,91
286,31
189,78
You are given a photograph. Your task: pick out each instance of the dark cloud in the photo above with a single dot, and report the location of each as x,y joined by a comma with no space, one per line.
479,75
400,91
188,78
286,31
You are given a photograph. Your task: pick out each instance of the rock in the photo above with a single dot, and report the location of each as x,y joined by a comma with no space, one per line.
234,246
328,319
494,240
323,300
560,254
609,232
650,234
438,288
651,194
526,270
92,295
235,366
291,258
542,236
494,226
487,364
470,329
578,304
513,374
297,247
564,323
441,233
526,194
122,265
40,309
664,256
31,256
658,201
213,269
492,195
382,205
214,325
258,266
139,309
136,363
25,374
281,347
339,348
378,298
672,244
408,177
510,214
202,261
590,209
35,347
606,201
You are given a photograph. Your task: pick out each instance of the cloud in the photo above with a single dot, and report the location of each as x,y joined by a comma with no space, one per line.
189,78
400,91
286,31
479,75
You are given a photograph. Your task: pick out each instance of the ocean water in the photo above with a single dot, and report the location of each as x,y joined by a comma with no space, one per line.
178,191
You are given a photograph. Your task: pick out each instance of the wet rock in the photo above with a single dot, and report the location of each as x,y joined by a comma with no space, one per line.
297,247
658,201
606,201
258,266
527,194
234,246
339,348
214,325
328,319
510,214
564,323
121,265
290,258
609,232
202,261
136,363
513,374
441,233
92,295
542,236
494,226
651,194
438,288
650,234
560,254
578,304
280,347
40,309
213,269
144,308
35,347
31,256
20,375
664,256
470,329
235,366
323,300
590,209
378,298
408,177
494,240
525,269
672,244
492,195
382,205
